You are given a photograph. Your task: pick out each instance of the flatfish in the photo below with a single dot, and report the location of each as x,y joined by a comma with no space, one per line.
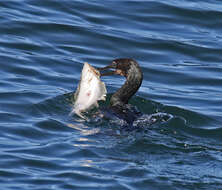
90,90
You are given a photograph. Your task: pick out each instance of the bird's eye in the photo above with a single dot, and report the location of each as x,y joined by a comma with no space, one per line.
114,64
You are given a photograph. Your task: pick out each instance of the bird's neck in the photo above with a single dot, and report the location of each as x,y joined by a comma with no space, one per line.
133,81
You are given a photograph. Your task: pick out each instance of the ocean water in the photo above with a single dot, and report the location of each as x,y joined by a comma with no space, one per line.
178,45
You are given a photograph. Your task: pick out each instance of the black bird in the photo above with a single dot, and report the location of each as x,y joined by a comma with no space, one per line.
119,106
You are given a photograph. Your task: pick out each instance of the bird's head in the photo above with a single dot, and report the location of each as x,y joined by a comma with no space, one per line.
118,67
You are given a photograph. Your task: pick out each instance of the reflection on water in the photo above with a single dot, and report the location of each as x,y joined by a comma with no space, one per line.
84,129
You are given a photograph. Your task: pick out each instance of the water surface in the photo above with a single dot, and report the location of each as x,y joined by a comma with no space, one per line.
42,47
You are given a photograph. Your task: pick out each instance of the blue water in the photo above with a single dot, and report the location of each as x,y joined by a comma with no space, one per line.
178,45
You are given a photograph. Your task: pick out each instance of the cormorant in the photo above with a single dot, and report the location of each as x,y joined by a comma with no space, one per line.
119,106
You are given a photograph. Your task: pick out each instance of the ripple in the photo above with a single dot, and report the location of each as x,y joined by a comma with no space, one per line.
42,47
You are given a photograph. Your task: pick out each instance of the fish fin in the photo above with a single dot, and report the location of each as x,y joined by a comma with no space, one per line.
82,116
77,92
79,113
78,87
103,91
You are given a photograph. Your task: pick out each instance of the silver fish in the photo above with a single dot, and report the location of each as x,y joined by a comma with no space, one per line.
89,91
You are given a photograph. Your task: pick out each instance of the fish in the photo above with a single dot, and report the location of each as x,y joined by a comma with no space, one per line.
89,91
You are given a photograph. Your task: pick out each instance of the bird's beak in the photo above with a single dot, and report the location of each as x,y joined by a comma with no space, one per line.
113,66
112,72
